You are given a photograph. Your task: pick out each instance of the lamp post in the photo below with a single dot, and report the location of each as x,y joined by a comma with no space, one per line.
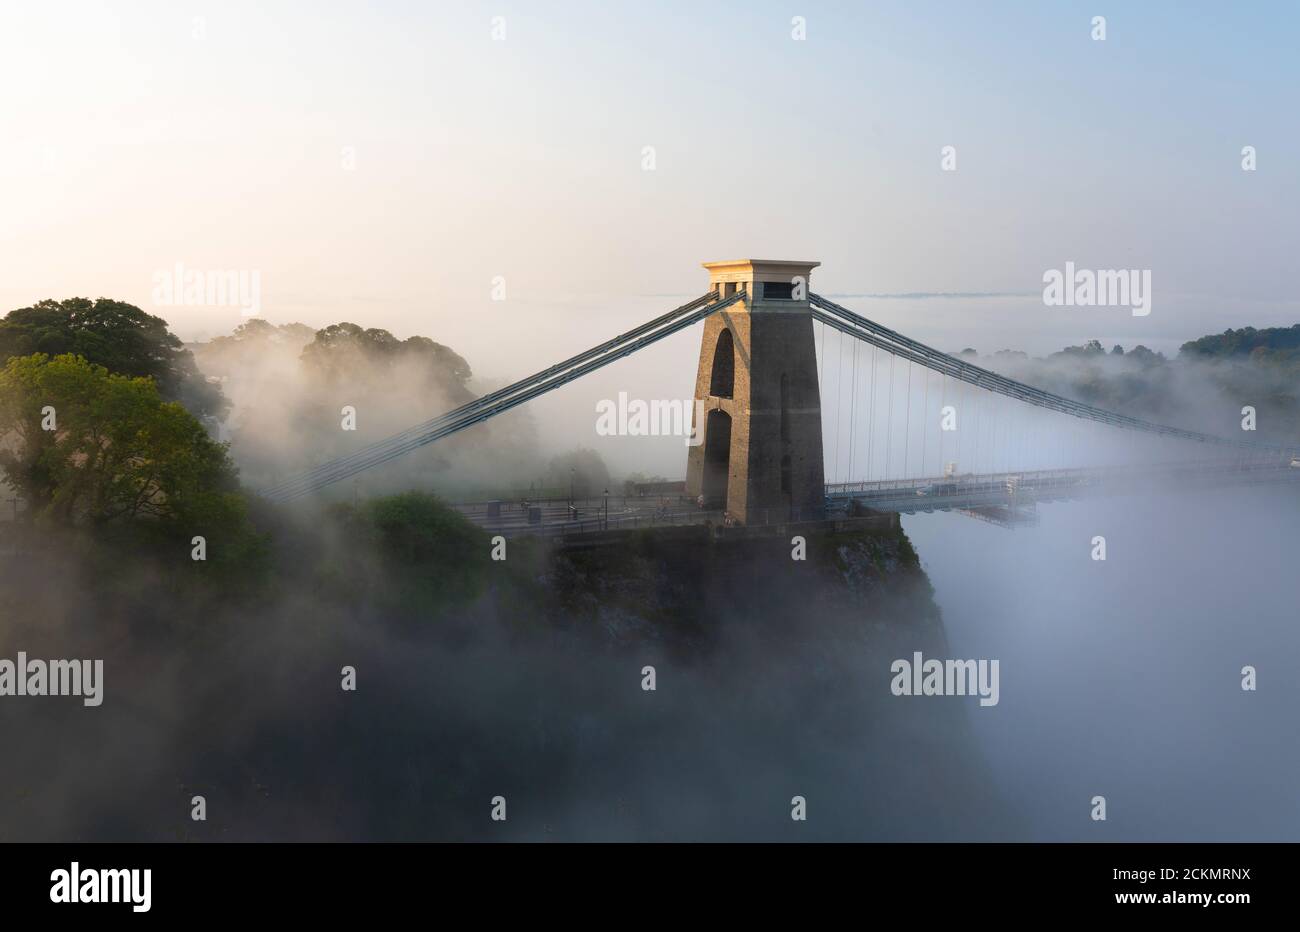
573,472
607,509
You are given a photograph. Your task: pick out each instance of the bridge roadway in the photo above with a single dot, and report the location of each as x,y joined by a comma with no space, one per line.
1026,487
973,494
556,518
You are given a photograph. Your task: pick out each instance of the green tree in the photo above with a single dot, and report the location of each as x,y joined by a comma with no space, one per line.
412,553
1279,344
118,336
117,451
345,354
1091,348
256,330
582,470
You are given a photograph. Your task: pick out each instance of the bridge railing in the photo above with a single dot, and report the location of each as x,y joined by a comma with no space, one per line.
592,518
591,521
945,493
1264,461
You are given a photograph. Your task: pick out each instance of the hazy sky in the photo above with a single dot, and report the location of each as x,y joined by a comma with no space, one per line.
138,135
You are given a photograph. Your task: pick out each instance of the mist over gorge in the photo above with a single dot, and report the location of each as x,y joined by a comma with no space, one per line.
495,672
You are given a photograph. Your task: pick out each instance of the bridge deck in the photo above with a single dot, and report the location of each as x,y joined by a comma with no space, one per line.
941,493
557,518
998,497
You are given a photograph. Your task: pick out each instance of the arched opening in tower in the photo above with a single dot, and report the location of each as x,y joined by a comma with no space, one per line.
723,382
717,459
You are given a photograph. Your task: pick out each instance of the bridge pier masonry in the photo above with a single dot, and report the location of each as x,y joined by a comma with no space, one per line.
759,454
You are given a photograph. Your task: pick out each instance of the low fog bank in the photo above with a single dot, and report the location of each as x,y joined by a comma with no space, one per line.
300,398
477,679
523,678
288,387
1197,392
1123,678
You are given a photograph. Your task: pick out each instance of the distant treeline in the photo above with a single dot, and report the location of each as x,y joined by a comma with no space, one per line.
1206,387
1275,345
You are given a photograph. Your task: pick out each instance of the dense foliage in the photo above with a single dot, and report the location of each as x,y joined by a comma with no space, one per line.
1279,345
104,454
340,352
118,336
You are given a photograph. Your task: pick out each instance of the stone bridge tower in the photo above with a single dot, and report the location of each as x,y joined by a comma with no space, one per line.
760,455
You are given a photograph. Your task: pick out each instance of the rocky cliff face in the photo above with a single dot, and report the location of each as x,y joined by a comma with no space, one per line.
685,588
771,681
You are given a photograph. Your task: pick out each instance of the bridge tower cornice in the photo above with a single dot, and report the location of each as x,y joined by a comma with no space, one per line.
780,285
758,270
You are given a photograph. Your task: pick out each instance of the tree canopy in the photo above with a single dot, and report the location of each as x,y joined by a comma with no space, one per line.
256,331
343,353
118,336
86,448
582,470
1278,344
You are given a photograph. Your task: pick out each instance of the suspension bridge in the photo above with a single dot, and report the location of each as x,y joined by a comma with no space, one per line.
909,428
